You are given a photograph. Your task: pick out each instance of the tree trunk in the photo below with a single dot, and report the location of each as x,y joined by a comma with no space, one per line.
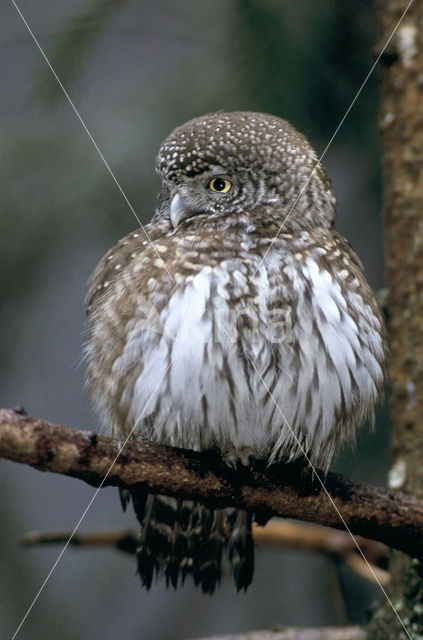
402,135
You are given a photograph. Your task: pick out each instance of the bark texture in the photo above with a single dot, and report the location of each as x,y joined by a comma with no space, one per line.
285,490
402,134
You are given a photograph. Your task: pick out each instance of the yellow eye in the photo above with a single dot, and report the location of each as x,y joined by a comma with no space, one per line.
220,185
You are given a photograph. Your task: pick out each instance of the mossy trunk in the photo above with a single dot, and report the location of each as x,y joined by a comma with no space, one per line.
401,122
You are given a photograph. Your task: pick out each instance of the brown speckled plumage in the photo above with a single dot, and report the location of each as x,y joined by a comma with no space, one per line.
239,319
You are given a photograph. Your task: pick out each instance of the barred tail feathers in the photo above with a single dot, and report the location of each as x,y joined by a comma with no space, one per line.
181,538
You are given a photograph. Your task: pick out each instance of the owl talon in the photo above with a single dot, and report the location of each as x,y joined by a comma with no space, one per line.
235,457
231,459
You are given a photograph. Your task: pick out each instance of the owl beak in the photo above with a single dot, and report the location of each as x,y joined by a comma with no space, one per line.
177,210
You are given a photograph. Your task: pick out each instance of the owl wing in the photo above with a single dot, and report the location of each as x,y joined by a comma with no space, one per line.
117,258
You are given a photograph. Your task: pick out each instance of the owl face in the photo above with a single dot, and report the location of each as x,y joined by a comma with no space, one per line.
236,163
218,190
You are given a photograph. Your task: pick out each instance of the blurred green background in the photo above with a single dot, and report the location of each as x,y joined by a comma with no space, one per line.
135,70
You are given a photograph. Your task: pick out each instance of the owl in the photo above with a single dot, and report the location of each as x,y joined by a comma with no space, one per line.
238,320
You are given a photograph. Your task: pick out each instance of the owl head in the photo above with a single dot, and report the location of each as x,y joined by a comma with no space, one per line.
243,164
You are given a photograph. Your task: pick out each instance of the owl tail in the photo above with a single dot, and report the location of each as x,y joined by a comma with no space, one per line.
181,538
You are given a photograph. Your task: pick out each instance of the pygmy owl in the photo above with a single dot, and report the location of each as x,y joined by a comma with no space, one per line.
238,320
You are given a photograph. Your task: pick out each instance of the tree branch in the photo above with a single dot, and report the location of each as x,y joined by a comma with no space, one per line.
280,534
390,517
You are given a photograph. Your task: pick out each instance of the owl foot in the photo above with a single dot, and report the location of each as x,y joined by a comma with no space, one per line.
234,457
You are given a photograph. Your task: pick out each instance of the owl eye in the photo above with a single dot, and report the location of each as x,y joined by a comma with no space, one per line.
221,185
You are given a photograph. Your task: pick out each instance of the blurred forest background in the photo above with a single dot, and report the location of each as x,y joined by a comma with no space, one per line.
135,70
